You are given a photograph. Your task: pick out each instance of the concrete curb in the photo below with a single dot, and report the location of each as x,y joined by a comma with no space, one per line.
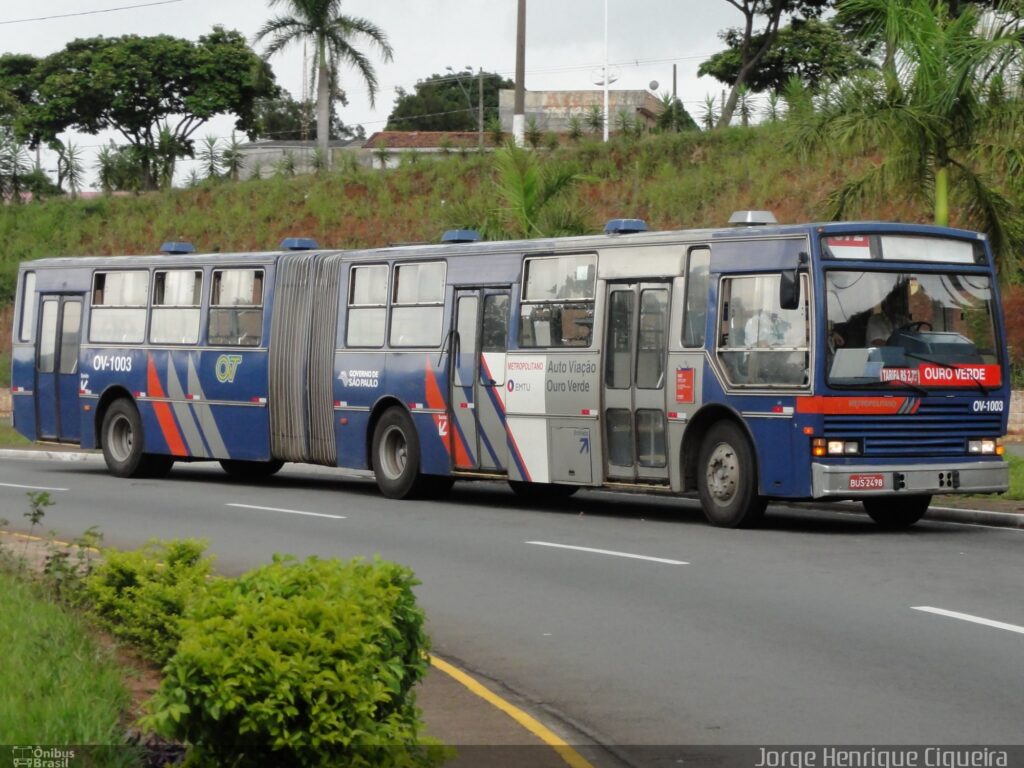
975,517
28,453
981,517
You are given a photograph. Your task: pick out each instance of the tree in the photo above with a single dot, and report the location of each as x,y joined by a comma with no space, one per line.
529,198
753,46
673,116
332,34
210,160
284,119
17,85
814,51
15,167
143,86
446,102
937,119
232,158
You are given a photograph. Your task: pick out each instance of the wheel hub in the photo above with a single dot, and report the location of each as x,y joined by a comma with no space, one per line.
394,452
121,438
723,473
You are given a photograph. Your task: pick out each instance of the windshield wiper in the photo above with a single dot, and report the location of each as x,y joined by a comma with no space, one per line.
946,365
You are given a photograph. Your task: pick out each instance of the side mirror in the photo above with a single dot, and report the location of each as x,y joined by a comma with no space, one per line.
789,289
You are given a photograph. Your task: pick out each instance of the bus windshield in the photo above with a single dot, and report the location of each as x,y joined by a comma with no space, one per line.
912,329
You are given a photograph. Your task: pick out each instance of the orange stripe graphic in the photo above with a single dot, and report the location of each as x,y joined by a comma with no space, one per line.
436,400
164,416
869,406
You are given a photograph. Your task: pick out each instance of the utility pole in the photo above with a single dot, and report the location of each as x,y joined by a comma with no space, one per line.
519,116
480,105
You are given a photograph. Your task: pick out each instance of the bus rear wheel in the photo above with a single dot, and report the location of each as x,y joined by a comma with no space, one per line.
122,441
395,455
250,470
894,513
727,478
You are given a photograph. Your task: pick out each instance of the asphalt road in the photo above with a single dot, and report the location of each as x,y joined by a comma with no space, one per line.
806,631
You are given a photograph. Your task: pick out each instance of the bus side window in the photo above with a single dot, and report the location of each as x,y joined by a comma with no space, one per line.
763,344
119,307
28,307
367,306
557,309
417,308
236,308
177,295
695,311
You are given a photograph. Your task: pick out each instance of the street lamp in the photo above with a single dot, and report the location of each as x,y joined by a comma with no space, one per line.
469,101
606,115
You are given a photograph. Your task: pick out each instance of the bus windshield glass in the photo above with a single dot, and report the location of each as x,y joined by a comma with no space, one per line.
910,329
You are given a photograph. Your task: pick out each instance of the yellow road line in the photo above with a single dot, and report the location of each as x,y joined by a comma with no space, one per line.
549,737
48,541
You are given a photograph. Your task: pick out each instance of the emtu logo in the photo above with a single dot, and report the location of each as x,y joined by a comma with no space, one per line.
226,367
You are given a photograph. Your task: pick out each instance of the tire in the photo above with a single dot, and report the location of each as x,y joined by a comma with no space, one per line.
122,439
541,491
395,455
727,478
894,513
252,471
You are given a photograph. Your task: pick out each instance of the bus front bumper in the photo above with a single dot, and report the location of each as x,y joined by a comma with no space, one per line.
849,482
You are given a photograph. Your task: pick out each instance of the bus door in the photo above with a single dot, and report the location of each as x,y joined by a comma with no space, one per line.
477,436
57,384
633,382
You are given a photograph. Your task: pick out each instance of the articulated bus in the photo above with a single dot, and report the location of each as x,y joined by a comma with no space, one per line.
838,361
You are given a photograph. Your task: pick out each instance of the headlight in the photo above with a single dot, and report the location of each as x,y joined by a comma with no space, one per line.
985,446
822,447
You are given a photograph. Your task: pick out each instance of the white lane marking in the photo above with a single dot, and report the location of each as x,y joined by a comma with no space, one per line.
608,552
286,511
31,487
969,617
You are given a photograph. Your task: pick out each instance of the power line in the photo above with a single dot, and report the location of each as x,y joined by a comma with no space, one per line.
91,13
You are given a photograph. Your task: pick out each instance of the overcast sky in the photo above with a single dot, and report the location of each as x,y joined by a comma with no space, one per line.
564,43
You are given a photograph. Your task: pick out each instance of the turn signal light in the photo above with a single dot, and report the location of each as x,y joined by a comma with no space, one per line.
818,446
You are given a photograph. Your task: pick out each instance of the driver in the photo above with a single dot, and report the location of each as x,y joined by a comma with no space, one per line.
884,321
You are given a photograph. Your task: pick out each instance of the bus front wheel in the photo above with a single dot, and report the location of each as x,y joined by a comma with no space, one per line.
122,443
395,455
895,513
727,478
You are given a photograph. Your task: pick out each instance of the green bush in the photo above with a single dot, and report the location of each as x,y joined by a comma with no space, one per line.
300,664
141,595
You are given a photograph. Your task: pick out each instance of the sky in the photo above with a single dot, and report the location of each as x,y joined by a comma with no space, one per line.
564,43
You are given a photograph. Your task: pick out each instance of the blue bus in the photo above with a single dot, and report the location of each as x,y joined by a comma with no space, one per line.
839,361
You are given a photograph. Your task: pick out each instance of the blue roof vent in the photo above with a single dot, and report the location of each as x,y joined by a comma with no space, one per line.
461,236
177,247
625,226
299,244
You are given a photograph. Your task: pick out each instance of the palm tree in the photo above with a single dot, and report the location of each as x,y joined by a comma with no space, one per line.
332,34
930,114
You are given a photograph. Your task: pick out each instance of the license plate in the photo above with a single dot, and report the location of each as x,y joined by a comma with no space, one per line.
866,482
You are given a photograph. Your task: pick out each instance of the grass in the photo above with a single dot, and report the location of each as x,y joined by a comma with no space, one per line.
56,685
9,437
1016,491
